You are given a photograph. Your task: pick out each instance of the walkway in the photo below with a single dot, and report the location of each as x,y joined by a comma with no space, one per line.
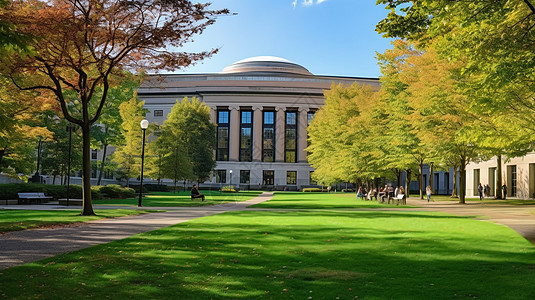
20,247
520,218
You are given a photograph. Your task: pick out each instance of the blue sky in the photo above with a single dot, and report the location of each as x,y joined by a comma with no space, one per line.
328,37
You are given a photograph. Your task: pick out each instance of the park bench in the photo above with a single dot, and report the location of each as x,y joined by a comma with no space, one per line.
28,198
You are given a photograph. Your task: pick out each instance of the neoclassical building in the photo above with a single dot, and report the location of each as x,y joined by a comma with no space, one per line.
262,107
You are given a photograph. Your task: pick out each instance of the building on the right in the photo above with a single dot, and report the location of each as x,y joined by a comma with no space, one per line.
518,175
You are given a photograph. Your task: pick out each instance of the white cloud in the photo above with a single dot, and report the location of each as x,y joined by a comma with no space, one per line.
307,3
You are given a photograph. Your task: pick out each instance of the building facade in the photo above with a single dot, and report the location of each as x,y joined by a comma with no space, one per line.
262,107
518,175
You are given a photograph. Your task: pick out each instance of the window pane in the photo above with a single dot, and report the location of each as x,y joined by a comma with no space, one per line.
222,137
269,117
223,116
245,176
291,118
291,177
245,138
268,155
291,138
246,117
290,156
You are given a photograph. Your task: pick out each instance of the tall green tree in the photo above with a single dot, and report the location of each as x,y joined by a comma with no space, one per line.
337,136
79,44
128,155
108,130
188,132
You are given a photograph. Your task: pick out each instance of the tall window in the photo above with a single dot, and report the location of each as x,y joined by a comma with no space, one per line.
222,150
246,140
221,176
513,181
291,177
290,142
158,113
245,176
268,137
268,177
94,153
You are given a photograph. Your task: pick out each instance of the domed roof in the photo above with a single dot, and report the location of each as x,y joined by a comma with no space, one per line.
263,64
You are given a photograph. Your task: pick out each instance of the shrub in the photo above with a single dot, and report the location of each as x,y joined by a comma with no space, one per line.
9,191
229,189
312,190
117,191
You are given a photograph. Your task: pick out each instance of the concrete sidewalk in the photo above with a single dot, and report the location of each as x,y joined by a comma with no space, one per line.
20,247
520,218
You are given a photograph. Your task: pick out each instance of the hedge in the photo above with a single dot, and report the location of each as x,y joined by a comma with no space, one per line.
9,191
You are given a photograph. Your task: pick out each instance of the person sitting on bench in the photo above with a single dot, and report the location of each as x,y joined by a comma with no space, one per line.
196,194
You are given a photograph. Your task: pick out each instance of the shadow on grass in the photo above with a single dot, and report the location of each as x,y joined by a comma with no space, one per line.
317,254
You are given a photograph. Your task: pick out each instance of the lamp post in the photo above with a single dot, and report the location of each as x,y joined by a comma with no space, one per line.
144,124
70,129
231,180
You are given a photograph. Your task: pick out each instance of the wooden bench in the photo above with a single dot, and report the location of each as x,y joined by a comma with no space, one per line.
28,198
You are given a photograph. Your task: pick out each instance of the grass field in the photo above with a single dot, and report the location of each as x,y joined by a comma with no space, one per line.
297,200
171,199
319,253
12,220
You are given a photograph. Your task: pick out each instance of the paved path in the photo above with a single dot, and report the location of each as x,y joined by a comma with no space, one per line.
520,218
20,247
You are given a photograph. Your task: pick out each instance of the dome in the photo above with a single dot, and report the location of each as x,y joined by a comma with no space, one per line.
266,64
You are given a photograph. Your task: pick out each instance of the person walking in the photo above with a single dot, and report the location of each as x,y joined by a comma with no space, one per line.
428,193
504,191
480,191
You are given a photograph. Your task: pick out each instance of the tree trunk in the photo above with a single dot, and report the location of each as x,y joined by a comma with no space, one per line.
498,187
87,208
102,164
398,177
462,190
454,190
2,152
421,179
408,183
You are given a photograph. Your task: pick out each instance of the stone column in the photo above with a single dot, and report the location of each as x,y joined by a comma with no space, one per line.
302,135
279,133
213,119
234,134
257,133
213,114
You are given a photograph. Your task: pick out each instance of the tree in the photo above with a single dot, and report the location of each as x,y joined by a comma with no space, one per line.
79,44
188,136
337,136
20,127
128,155
108,130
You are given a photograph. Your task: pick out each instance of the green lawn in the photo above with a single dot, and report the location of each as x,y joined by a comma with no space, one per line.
314,254
298,200
12,220
485,200
171,199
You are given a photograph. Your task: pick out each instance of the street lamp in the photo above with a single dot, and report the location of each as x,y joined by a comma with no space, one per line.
231,180
144,124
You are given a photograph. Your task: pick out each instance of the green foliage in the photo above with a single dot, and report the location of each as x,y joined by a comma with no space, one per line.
116,191
186,142
311,190
128,155
9,191
229,189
